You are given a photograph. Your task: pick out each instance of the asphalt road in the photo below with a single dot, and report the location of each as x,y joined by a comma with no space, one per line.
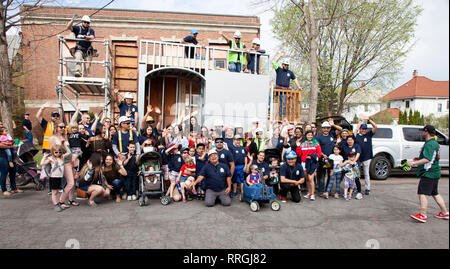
380,220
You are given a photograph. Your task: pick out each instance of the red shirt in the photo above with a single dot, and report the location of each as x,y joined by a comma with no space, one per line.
184,167
307,149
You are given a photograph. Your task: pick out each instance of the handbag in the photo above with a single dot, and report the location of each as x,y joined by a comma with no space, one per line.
81,193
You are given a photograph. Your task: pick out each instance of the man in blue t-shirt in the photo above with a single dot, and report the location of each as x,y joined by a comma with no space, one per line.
291,176
262,165
327,140
123,137
241,161
83,49
217,178
126,107
225,156
27,127
283,81
364,140
190,39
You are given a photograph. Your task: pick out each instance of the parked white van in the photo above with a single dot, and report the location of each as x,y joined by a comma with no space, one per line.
393,143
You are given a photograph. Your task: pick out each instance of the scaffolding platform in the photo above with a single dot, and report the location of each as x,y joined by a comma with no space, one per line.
96,75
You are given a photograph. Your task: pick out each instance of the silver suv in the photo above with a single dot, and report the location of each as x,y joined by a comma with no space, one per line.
393,143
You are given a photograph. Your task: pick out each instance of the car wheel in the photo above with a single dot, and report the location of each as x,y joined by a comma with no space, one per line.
380,168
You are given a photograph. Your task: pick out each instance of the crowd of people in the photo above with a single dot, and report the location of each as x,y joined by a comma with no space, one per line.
100,159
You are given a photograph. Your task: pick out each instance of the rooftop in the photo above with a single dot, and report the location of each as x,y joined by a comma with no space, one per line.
419,86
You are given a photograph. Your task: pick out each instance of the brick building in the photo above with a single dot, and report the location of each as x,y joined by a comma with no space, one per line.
120,27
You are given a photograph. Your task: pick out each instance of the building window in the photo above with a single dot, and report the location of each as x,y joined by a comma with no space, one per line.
407,104
439,107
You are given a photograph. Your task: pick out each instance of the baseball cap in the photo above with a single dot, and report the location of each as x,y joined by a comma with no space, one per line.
150,119
237,137
344,131
351,154
27,113
430,129
123,119
326,124
194,31
363,126
54,113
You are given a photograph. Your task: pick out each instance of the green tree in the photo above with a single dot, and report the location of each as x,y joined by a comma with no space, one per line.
358,42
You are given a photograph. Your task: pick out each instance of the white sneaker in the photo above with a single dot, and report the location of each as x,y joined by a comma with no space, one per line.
312,197
129,198
133,197
359,196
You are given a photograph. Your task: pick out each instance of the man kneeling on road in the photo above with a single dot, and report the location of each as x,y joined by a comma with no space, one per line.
291,176
217,177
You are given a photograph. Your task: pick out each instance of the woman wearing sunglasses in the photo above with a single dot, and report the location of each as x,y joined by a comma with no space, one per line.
59,138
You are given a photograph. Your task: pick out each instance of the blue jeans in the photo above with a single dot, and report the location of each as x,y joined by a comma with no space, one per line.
235,67
117,185
282,105
29,136
130,184
4,171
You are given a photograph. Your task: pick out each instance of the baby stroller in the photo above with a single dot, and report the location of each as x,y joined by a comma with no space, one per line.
270,154
27,168
151,182
257,196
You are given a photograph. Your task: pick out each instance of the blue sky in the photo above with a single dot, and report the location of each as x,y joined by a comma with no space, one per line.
430,56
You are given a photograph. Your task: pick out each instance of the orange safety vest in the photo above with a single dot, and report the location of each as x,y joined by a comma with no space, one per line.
47,134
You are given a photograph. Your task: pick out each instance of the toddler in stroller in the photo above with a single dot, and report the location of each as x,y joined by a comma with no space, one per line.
151,178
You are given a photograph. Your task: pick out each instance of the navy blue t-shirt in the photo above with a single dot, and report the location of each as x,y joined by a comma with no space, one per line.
124,108
365,142
215,177
284,77
225,157
327,142
27,123
264,167
356,148
193,40
229,142
78,30
125,140
293,173
239,154
175,162
200,163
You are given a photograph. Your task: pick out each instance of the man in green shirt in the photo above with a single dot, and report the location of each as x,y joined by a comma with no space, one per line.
429,172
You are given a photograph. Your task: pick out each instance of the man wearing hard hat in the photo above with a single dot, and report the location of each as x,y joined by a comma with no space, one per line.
236,59
283,81
126,106
254,56
190,39
83,49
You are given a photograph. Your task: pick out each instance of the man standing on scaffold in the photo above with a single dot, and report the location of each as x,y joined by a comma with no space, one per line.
83,49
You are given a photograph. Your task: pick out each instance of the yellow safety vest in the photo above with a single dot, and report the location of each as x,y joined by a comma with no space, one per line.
233,56
47,134
120,139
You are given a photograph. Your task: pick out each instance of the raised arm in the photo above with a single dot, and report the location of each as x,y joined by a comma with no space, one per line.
224,37
278,58
39,113
73,120
374,126
70,24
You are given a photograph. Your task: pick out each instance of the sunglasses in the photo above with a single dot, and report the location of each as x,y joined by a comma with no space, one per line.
126,122
57,152
61,127
219,142
86,22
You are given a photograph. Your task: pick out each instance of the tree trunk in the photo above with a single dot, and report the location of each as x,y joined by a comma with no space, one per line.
6,86
342,96
314,64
